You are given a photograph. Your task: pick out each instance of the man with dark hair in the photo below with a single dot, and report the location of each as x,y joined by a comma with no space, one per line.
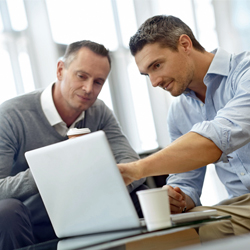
208,122
166,30
42,118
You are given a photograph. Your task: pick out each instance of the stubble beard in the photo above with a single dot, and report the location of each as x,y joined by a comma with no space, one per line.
183,84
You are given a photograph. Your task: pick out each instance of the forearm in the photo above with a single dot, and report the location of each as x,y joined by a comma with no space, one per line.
20,186
189,152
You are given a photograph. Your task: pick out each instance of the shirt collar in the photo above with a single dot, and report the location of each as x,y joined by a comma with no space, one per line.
220,65
50,110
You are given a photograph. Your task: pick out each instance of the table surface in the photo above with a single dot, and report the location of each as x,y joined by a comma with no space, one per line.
180,235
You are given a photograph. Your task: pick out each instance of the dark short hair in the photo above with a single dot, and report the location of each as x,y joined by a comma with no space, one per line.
166,30
73,48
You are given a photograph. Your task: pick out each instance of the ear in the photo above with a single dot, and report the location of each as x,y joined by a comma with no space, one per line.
185,43
60,69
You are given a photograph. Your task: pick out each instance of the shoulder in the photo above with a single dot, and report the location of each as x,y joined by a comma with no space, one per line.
241,57
98,108
240,63
240,71
99,116
25,101
98,104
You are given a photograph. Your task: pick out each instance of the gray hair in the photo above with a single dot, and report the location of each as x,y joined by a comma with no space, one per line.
73,48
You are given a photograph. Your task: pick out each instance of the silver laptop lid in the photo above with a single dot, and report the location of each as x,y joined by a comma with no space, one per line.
81,186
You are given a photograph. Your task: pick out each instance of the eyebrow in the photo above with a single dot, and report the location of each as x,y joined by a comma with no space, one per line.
152,63
101,79
149,67
84,72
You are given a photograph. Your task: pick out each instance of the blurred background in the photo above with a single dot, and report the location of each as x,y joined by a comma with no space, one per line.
34,35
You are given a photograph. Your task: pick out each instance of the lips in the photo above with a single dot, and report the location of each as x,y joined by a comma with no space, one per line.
166,87
84,98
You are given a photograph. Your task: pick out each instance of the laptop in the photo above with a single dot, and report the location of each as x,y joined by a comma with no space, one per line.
81,186
83,190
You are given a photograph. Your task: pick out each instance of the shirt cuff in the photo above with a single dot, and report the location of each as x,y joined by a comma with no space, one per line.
216,134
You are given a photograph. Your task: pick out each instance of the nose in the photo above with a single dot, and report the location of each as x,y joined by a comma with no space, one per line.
155,81
88,86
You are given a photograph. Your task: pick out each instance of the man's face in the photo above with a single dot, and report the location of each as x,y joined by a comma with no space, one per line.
82,81
171,70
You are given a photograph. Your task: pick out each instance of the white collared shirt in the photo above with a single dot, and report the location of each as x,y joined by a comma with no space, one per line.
52,115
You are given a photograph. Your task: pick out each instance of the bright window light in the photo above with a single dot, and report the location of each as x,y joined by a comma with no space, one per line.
206,24
142,108
204,30
179,8
241,22
8,88
27,77
1,23
212,185
128,25
17,14
82,20
105,95
240,14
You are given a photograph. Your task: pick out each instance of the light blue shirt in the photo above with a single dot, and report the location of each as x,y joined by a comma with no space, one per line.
224,119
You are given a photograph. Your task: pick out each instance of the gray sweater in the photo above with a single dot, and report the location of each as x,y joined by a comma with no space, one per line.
23,127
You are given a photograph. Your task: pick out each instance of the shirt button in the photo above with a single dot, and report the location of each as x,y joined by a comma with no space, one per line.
242,173
202,104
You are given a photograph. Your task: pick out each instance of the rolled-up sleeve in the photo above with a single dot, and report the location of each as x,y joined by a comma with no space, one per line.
224,118
230,129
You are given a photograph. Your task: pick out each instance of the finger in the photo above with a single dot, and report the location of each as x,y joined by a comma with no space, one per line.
172,193
176,210
174,197
121,169
178,204
169,188
178,190
177,200
127,180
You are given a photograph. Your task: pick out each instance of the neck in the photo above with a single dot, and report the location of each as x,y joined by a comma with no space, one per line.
67,114
202,61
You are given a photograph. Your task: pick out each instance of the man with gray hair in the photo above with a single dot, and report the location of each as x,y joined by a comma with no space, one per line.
42,118
208,122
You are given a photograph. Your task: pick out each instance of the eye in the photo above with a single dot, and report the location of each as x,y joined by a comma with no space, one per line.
82,76
157,65
99,83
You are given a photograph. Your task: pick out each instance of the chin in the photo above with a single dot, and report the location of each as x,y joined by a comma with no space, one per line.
175,94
